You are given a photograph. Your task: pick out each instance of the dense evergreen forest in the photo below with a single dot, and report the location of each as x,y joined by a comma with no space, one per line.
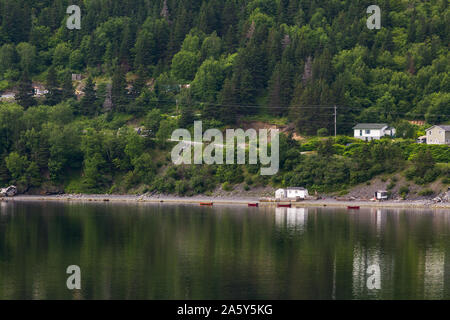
161,64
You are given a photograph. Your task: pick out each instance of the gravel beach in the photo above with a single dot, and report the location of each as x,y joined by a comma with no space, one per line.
231,201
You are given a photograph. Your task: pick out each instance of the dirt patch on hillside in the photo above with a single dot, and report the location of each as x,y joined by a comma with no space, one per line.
394,184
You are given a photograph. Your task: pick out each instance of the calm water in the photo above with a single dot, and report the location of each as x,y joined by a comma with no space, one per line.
152,251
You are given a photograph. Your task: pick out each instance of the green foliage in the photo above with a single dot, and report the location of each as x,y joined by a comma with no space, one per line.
426,192
424,168
89,104
184,65
260,59
440,153
166,127
323,132
404,191
152,121
226,186
25,95
406,130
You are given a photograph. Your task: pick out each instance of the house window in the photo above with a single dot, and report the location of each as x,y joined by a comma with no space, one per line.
360,132
367,131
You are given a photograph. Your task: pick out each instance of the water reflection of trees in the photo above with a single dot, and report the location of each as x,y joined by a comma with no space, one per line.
154,252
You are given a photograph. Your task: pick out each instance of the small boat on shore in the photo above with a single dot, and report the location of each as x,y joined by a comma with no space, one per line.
353,207
253,204
284,205
206,203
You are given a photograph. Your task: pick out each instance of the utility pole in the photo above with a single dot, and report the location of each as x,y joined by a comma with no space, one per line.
335,121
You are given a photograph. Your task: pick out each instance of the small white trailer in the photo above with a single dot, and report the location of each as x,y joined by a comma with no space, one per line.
381,195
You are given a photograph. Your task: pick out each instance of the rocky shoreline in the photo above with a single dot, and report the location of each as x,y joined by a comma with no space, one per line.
331,202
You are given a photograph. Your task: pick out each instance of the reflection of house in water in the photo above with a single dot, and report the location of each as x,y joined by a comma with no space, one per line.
363,258
378,218
434,273
291,218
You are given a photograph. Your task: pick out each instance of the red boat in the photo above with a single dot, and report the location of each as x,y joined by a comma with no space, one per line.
206,203
253,204
284,205
353,208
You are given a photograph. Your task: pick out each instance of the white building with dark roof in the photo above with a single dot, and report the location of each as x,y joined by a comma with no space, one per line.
372,131
291,193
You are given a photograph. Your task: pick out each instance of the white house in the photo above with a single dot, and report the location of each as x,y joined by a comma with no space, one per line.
291,193
372,131
280,194
39,90
439,134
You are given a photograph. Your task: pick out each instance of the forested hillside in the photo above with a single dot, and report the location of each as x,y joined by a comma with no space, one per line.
164,63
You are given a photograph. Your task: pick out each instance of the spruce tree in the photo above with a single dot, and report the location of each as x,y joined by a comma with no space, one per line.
187,116
4,173
119,90
26,92
54,93
275,91
67,87
227,98
89,105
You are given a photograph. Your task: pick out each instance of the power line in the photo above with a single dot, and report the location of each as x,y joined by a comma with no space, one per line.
293,107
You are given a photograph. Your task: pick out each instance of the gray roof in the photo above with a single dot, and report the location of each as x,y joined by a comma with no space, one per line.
370,126
296,188
445,127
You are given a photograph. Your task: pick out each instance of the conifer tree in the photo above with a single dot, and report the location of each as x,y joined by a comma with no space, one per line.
227,98
54,93
187,116
4,173
119,90
25,96
68,91
88,104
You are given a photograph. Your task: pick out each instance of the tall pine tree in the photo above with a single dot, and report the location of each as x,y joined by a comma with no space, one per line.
67,87
54,93
26,92
89,102
119,91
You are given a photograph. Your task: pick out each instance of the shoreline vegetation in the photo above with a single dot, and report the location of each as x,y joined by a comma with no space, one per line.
328,202
92,111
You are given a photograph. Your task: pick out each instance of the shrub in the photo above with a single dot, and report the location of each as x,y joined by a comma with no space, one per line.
391,185
431,175
323,132
404,191
181,187
226,186
426,192
410,173
198,184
